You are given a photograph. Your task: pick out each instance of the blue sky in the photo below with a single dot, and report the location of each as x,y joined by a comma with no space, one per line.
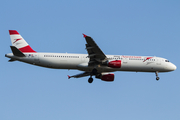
120,27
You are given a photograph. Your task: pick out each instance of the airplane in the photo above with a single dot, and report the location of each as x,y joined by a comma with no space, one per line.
95,63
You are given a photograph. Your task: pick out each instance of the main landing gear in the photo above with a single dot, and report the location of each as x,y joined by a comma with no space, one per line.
157,78
94,72
90,80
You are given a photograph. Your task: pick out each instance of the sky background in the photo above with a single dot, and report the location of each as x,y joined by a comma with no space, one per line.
119,27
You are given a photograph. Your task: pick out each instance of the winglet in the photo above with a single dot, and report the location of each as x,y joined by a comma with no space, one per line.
69,77
84,35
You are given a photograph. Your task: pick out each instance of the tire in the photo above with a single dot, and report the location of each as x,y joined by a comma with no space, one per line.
157,78
90,80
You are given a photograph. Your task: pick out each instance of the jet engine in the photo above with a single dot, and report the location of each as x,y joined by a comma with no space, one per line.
108,77
114,64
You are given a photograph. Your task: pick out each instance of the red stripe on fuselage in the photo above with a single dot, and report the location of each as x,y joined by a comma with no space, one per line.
27,49
12,32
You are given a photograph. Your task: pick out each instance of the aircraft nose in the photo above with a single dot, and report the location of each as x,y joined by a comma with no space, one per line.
172,67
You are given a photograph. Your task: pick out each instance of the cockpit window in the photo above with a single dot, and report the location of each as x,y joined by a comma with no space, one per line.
166,60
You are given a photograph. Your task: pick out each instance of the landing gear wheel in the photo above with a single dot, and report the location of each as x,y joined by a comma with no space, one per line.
157,78
90,80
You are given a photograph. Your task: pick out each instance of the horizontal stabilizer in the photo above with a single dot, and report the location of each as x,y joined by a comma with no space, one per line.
11,60
17,52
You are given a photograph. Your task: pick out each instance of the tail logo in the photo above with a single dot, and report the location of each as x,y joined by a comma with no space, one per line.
17,40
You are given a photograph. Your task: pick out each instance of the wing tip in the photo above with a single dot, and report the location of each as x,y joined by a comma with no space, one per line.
84,35
69,77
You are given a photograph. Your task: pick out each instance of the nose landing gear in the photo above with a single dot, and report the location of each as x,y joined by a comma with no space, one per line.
157,78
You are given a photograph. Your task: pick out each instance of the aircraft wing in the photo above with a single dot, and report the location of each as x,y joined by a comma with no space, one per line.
95,53
80,75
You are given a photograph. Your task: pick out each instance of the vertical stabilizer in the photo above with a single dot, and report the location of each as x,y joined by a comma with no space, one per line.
18,41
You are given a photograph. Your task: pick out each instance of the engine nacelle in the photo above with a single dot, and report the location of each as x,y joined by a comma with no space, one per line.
108,77
114,64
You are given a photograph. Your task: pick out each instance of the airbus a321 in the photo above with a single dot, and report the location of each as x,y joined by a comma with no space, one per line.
95,63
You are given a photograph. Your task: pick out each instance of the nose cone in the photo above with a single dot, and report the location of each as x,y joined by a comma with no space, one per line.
172,67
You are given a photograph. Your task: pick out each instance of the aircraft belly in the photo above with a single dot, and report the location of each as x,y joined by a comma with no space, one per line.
58,63
138,66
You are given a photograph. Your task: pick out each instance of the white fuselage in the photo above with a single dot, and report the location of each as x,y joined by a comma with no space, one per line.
95,63
80,62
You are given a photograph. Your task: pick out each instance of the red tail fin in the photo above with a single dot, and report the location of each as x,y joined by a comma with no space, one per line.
18,41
